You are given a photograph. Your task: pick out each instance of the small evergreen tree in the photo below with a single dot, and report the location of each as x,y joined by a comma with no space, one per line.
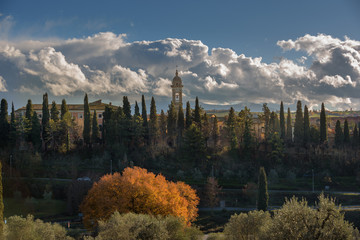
87,121
126,108
306,126
163,124
45,124
180,123
54,112
29,110
263,195
95,129
346,133
35,131
144,112
323,125
64,108
215,134
299,125
339,137
137,110
282,121
188,115
288,127
4,124
231,129
266,118
171,121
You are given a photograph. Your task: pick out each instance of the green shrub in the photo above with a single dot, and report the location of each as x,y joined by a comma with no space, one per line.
140,226
18,228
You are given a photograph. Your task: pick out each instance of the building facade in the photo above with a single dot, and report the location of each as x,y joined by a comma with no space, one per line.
177,90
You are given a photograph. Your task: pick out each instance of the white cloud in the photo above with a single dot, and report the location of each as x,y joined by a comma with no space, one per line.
105,64
2,84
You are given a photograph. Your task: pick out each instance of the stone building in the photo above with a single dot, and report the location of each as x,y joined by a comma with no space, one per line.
177,90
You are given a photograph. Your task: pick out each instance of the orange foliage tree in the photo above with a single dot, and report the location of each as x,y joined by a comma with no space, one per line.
139,191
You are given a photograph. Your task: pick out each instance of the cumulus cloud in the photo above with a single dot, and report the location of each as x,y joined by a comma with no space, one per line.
106,64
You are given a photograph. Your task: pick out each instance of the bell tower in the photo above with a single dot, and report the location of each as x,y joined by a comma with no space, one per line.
177,90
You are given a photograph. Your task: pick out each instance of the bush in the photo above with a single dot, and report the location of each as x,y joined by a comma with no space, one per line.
30,229
250,225
140,226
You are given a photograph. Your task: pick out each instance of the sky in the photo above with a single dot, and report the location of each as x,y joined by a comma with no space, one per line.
228,53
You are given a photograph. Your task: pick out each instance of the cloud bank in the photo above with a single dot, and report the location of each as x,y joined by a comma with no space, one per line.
105,64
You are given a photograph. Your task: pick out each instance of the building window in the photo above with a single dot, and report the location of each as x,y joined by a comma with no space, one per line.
100,115
177,96
80,115
40,116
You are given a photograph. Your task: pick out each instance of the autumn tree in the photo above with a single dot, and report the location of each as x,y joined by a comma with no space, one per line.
139,191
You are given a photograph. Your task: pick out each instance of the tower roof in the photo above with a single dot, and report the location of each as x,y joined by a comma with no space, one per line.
177,79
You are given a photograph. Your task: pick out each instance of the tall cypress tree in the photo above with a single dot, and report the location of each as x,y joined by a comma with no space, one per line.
126,107
137,110
45,120
144,112
87,121
263,195
266,118
35,131
1,203
197,117
339,137
231,129
29,110
215,134
323,127
299,125
346,133
64,108
12,133
163,124
355,138
4,124
95,129
54,112
306,126
188,115
153,123
180,123
282,121
171,120
288,127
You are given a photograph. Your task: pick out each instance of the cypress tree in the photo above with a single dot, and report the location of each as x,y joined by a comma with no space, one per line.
306,126
163,124
188,115
299,125
4,124
29,110
12,133
144,112
266,118
45,120
346,133
180,123
263,195
153,123
87,121
64,108
35,131
197,117
54,112
323,127
95,129
338,135
1,203
282,121
206,129
288,127
231,129
126,107
215,134
171,120
355,138
137,110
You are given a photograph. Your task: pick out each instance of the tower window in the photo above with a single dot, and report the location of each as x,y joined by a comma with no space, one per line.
177,97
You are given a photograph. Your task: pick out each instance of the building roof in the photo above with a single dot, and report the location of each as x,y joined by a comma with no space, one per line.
177,82
97,105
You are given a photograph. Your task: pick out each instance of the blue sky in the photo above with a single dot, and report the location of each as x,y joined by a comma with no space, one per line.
252,28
